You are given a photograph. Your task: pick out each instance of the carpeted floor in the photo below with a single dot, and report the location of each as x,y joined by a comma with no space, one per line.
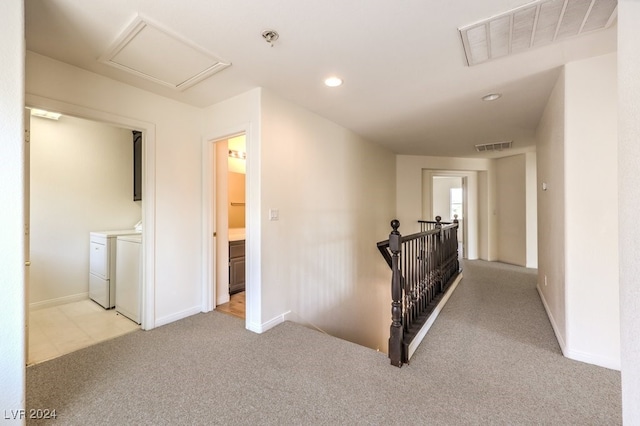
490,358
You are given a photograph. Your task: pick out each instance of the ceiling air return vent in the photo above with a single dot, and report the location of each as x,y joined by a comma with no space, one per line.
534,24
156,54
490,147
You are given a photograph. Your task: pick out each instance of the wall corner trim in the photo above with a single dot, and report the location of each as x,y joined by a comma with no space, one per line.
268,325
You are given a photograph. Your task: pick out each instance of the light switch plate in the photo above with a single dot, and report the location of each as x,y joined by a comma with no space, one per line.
274,214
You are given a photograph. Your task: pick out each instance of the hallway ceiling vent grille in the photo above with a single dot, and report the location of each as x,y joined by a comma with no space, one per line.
154,53
496,146
534,24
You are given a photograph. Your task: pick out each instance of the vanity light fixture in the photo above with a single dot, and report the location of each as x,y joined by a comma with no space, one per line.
237,154
45,114
492,97
333,81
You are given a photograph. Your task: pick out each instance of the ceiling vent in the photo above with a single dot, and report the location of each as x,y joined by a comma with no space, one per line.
534,24
156,54
490,147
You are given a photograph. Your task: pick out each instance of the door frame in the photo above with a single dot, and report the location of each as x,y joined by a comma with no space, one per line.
463,219
470,219
252,226
148,316
27,225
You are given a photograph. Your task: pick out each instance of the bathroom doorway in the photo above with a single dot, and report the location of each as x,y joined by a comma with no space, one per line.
229,196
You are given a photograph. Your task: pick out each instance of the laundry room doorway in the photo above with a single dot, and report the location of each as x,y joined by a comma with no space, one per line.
62,203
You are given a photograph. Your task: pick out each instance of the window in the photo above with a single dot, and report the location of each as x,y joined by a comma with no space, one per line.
455,198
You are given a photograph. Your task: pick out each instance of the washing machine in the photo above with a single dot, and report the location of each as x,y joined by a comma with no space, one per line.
102,265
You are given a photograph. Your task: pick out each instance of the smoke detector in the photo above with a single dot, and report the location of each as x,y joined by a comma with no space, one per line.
270,36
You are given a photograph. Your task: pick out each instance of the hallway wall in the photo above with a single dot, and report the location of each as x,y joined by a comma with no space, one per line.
578,253
629,205
335,195
551,210
511,209
591,173
12,266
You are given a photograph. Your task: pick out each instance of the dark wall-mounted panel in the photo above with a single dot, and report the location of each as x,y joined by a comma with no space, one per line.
137,165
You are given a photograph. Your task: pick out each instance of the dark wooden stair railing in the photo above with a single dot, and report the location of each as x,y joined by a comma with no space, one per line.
423,267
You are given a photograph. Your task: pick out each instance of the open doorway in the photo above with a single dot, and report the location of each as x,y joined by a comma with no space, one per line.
448,197
230,225
66,206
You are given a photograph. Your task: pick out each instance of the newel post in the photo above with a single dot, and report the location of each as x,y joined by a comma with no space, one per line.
396,332
439,252
455,239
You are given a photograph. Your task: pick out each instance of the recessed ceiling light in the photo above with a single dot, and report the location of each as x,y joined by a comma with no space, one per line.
492,96
333,82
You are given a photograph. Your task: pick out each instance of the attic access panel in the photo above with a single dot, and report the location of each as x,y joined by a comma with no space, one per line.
156,54
539,23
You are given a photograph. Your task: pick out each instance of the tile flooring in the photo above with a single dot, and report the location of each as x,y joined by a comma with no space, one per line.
65,328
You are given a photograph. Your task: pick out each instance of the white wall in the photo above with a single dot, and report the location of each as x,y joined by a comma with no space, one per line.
578,253
511,209
551,210
12,270
81,181
335,195
629,204
531,209
591,211
176,189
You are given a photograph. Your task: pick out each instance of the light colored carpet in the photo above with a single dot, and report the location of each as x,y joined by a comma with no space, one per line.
490,358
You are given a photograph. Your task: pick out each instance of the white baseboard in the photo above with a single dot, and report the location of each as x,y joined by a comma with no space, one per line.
58,301
432,318
178,316
261,328
554,326
606,362
610,363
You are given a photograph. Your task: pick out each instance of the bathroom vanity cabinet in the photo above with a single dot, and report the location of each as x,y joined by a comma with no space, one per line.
236,266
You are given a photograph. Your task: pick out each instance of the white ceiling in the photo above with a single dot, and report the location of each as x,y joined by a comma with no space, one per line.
406,82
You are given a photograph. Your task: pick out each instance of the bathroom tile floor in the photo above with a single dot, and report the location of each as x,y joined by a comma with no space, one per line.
61,329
